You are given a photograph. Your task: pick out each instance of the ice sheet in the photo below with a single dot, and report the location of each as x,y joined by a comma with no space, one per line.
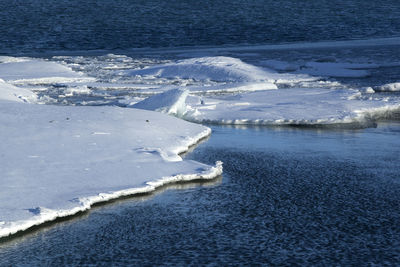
56,161
296,106
37,71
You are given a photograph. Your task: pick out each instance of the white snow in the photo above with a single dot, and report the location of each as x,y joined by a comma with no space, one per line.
390,87
170,102
56,161
13,93
296,106
37,71
221,69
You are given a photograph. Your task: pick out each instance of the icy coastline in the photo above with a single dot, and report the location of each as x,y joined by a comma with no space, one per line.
59,160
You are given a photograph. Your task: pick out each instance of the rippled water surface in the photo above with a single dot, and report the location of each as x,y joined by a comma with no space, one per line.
287,196
32,25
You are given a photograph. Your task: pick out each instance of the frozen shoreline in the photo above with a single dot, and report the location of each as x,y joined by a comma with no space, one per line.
59,161
96,149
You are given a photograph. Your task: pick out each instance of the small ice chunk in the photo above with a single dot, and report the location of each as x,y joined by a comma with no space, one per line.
170,102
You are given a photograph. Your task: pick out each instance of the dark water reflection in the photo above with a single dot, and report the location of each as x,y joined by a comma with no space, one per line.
288,197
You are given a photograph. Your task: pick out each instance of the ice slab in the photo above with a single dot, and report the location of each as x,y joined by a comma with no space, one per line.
170,102
13,93
298,106
390,87
59,160
37,71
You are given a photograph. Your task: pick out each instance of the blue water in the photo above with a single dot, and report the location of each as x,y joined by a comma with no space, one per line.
47,25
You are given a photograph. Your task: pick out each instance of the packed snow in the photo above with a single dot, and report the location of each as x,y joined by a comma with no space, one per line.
59,160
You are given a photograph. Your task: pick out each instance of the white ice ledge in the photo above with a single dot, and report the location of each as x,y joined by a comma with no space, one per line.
57,161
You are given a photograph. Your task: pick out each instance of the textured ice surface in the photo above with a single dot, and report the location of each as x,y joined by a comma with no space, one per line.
292,107
171,102
390,87
13,93
36,71
295,106
56,161
207,68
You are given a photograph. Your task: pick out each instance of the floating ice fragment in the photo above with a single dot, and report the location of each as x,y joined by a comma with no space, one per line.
390,87
298,106
34,192
170,102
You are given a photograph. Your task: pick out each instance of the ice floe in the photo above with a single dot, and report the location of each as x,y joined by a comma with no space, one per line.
59,160
170,102
296,106
390,87
37,71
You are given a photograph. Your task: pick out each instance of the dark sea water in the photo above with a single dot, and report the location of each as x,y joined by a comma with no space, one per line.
47,25
288,196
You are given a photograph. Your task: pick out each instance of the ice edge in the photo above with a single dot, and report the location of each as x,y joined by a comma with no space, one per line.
48,215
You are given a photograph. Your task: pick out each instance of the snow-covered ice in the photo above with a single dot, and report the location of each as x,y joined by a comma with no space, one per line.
170,102
59,160
207,68
37,71
390,87
292,107
296,106
13,93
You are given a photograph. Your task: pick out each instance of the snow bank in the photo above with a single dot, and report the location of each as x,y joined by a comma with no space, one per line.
221,69
291,107
57,161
